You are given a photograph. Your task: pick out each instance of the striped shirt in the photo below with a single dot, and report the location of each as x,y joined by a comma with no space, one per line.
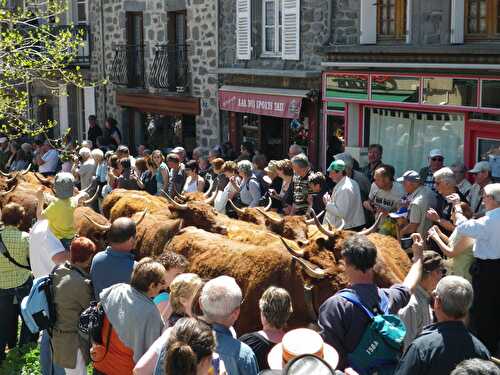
16,241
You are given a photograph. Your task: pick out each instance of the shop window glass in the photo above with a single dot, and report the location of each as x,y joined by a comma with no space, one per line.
407,137
395,89
347,86
489,93
450,91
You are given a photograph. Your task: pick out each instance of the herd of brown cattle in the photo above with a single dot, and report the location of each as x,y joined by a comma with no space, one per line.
259,250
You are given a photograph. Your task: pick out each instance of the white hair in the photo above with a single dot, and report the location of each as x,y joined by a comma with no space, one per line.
301,160
84,152
346,158
87,143
245,166
219,298
446,175
455,294
493,190
295,149
97,154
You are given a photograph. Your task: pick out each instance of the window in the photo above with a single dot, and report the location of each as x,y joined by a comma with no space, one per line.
482,18
81,11
391,19
271,21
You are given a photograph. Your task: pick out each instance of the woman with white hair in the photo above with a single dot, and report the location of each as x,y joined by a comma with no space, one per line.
249,187
85,170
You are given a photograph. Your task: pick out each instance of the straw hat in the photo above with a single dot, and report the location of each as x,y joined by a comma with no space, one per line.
301,341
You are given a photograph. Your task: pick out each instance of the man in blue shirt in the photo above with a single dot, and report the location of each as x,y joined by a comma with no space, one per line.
220,302
115,264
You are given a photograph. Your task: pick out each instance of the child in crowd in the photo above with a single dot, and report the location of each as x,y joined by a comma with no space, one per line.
317,182
175,264
59,213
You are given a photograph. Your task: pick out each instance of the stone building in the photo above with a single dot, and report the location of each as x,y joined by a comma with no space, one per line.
269,67
414,76
157,55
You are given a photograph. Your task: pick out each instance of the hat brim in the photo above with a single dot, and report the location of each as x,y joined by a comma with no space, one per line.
397,216
275,356
474,171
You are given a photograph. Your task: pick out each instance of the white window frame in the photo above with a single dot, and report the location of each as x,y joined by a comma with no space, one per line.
278,28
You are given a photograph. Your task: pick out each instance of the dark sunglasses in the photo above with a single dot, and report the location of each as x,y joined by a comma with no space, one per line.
438,158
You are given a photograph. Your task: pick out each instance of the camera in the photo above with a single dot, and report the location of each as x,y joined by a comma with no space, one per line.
406,242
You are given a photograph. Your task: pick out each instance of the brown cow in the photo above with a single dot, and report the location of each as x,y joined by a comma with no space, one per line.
257,267
86,228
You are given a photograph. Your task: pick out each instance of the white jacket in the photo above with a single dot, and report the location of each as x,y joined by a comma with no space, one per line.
345,203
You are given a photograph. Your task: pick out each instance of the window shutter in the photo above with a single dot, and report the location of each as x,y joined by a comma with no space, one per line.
368,22
243,30
409,14
457,21
291,30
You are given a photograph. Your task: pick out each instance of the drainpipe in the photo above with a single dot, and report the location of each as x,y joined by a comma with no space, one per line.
103,61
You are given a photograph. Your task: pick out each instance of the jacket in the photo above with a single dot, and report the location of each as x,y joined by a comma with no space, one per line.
72,294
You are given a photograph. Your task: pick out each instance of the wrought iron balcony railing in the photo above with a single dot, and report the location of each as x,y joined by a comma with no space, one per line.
169,69
128,65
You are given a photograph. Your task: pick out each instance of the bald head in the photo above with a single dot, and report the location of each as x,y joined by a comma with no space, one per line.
121,231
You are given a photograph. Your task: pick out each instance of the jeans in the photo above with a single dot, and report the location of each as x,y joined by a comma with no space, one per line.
10,310
46,357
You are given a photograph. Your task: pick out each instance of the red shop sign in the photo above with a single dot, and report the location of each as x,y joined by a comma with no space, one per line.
266,105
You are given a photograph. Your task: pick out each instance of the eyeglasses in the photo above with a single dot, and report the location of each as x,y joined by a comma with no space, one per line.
437,158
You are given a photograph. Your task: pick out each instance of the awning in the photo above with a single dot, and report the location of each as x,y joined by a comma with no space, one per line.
282,103
164,105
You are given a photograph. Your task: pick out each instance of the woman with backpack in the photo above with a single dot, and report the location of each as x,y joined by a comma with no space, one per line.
72,293
15,278
249,187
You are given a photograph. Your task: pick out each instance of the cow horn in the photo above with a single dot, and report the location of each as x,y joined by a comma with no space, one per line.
311,221
310,269
183,197
211,200
237,209
373,227
141,218
4,174
269,204
26,170
181,207
86,190
270,218
290,250
322,229
210,187
104,227
9,180
93,198
43,180
4,193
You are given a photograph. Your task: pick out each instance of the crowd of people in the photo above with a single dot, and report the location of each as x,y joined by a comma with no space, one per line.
159,319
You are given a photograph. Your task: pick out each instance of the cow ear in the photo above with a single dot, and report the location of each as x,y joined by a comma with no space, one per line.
321,242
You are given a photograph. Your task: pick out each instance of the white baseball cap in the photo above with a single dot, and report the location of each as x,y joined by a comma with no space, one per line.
435,152
481,166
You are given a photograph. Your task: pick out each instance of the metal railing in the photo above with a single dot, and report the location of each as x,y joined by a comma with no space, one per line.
128,65
169,69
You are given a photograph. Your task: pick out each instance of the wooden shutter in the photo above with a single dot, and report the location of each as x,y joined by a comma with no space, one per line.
368,22
457,21
88,105
408,25
243,30
290,40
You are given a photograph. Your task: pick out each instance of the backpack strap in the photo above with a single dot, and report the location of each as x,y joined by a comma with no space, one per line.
384,302
5,252
353,298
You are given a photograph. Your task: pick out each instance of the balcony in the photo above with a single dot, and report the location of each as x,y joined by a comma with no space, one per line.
127,68
169,69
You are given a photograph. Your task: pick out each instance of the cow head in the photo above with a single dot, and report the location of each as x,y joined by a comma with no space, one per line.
197,214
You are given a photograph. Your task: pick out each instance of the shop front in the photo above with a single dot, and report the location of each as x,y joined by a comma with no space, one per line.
271,119
160,122
410,114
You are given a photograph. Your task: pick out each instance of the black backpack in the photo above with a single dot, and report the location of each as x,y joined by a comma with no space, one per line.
90,326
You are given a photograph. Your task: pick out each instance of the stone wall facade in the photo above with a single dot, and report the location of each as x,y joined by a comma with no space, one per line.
314,32
108,28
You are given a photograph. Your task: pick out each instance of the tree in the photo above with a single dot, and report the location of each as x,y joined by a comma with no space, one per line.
34,48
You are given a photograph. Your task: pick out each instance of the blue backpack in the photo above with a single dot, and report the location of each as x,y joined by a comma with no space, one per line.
37,308
380,347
